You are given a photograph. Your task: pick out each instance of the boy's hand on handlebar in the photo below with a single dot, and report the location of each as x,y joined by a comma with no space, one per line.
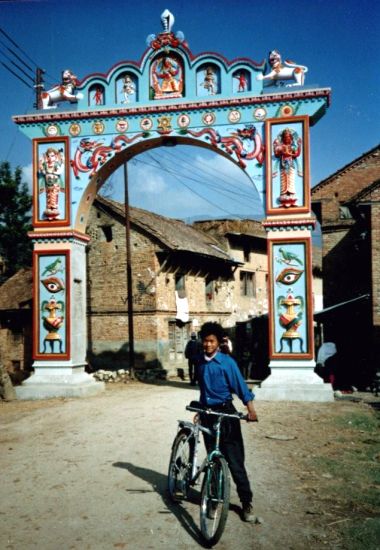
252,416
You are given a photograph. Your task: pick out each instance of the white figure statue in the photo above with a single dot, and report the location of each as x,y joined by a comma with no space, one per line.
287,71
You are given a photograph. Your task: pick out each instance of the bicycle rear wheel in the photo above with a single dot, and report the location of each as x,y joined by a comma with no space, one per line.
215,500
180,464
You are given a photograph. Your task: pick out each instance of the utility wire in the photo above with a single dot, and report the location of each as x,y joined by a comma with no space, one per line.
227,192
209,170
175,174
15,74
204,198
180,179
17,46
10,55
18,66
15,55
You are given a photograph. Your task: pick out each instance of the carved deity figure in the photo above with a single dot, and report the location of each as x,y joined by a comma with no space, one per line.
128,88
50,170
167,77
98,96
209,82
242,79
287,148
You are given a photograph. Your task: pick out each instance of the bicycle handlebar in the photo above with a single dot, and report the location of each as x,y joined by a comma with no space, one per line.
238,415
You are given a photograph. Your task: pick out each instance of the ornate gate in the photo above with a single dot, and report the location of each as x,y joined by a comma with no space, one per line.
83,131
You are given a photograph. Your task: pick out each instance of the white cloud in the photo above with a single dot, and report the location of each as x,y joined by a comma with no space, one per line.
27,176
187,182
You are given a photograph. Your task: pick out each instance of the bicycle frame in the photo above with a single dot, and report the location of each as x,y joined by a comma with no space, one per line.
195,430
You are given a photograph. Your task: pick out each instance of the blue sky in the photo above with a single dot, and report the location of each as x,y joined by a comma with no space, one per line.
337,40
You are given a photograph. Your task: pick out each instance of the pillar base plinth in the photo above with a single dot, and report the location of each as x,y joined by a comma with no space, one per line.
46,385
294,384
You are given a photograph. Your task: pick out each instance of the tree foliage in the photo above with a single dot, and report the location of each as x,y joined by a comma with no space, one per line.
15,221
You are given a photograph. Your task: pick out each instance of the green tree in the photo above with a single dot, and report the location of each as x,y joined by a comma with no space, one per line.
15,221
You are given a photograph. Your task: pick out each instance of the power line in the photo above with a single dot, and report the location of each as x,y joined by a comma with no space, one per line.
227,192
211,171
16,65
17,46
15,55
15,74
180,179
175,174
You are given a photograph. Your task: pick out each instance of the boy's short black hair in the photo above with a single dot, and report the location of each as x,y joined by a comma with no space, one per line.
212,328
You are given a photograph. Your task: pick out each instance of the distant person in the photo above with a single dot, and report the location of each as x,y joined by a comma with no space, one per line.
192,350
327,360
226,345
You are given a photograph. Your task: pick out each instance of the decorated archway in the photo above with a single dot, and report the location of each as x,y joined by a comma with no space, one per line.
85,130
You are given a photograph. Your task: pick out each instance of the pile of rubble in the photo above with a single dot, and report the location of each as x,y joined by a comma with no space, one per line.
123,375
120,375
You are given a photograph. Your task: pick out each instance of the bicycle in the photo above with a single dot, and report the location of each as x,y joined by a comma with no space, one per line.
184,472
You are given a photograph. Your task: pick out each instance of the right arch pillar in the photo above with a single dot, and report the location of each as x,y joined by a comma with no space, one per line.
289,224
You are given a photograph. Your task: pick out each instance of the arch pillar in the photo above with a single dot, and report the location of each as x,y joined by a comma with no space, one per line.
289,224
59,318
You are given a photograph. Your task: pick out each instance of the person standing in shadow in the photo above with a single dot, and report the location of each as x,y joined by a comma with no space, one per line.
192,350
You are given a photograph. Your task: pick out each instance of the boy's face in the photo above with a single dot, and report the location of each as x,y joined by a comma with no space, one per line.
210,344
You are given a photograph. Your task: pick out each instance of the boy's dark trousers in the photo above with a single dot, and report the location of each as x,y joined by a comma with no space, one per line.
231,446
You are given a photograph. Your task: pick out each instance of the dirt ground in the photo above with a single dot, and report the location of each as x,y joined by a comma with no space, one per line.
90,473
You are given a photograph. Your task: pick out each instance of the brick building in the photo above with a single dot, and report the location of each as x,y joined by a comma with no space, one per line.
347,205
245,241
16,322
181,277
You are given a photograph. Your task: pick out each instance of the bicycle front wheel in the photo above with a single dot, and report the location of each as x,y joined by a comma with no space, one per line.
215,500
180,465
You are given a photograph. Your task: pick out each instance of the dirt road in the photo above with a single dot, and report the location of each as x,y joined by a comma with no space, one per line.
91,474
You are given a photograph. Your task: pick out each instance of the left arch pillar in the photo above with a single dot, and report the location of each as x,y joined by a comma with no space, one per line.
59,318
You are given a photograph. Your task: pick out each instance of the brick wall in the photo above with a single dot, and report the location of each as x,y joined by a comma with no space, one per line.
349,210
154,302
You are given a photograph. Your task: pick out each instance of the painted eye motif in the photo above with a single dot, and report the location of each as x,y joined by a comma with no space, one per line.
289,276
53,284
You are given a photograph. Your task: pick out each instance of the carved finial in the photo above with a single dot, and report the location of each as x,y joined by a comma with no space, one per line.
167,19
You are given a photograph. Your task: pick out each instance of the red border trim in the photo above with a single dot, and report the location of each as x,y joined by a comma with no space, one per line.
35,235
63,222
269,124
37,355
309,297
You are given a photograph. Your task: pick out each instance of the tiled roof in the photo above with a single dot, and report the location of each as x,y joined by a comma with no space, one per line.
174,234
16,292
251,228
352,178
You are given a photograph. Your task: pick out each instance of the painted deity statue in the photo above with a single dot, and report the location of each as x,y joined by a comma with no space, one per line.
128,88
209,82
50,170
242,79
98,96
287,148
167,77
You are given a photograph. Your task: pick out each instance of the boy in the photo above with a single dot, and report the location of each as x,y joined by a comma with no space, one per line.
219,377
